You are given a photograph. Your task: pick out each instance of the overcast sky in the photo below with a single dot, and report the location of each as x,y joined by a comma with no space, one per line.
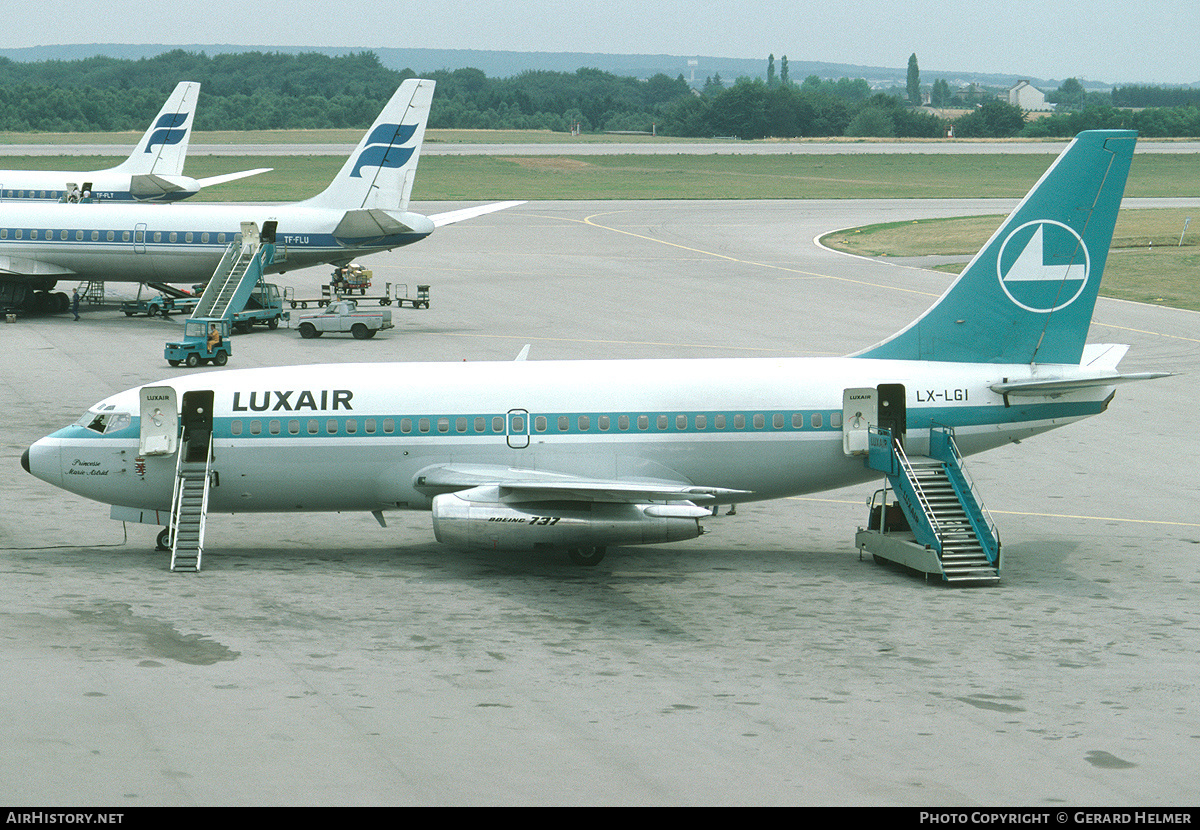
1100,40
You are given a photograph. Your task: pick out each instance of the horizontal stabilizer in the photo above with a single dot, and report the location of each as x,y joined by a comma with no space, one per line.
440,219
150,186
1054,387
514,485
373,223
230,177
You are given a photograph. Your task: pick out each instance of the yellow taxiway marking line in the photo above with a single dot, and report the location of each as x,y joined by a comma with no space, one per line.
1151,333
589,221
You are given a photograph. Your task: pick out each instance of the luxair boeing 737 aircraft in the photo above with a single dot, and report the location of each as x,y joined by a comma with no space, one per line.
152,173
586,454
364,210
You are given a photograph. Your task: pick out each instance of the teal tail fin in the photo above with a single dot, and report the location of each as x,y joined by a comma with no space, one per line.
1028,295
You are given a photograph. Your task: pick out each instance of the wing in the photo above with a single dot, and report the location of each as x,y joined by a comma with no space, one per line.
21,267
511,485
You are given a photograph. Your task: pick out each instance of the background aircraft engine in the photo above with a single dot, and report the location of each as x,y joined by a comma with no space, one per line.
495,526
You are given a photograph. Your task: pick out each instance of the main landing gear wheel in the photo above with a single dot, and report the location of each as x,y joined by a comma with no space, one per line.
163,542
586,556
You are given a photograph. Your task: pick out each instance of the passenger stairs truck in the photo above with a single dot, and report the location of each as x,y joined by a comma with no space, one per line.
235,297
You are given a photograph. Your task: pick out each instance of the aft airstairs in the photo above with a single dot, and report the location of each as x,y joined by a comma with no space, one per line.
189,506
942,527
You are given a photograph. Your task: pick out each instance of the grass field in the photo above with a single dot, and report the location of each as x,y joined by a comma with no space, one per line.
668,177
1146,263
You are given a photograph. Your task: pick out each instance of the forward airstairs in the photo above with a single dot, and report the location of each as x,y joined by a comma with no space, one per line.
231,284
189,506
937,523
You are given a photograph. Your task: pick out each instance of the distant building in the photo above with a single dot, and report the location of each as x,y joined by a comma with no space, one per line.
1028,97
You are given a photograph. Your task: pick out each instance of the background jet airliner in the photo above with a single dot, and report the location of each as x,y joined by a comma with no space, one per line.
152,173
586,454
363,210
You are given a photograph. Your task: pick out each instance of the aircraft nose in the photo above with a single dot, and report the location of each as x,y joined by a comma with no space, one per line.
42,460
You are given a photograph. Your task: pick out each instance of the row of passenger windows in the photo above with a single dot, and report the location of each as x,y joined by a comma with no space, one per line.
111,236
495,425
34,194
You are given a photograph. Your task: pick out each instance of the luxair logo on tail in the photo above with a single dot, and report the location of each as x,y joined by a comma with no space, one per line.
1043,266
168,130
382,147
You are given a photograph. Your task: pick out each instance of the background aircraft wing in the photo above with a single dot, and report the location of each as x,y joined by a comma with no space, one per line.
515,485
453,216
21,267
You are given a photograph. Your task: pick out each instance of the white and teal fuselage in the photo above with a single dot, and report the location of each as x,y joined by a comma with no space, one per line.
590,453
358,437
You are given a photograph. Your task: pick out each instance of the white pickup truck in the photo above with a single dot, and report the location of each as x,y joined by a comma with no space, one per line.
344,315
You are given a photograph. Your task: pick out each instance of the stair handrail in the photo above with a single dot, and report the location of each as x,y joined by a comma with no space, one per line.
232,280
177,493
915,483
208,459
233,250
993,529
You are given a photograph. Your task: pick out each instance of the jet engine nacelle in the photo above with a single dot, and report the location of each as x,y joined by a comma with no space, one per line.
494,526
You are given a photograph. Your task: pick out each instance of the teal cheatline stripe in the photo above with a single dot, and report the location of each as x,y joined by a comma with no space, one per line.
709,422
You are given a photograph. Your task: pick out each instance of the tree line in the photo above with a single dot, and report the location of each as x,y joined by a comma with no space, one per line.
263,90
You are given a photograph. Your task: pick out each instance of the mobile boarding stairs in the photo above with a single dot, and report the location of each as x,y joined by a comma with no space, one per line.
189,504
238,274
937,524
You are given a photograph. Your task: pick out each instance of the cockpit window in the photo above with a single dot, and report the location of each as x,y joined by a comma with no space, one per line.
105,422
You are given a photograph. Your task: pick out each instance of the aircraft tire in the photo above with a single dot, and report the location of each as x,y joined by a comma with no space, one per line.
163,542
587,557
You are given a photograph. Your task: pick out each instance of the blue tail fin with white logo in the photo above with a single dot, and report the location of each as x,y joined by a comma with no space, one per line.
163,147
1028,295
381,170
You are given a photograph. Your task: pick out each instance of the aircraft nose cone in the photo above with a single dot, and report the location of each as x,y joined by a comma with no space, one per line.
25,460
